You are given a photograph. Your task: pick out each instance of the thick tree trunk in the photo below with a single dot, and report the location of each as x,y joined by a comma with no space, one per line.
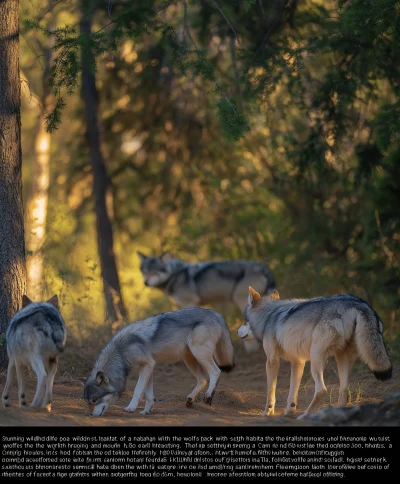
12,246
115,310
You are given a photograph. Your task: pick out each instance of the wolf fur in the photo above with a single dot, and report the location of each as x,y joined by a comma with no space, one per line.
301,330
207,283
199,337
36,336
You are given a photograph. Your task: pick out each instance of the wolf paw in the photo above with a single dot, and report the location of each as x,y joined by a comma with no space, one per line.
208,399
268,413
145,412
189,401
129,409
302,416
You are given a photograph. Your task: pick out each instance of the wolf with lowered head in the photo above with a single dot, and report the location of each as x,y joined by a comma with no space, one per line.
199,337
36,336
301,330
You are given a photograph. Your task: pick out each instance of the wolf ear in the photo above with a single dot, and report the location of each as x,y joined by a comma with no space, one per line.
26,301
141,255
165,257
101,378
254,297
274,295
54,301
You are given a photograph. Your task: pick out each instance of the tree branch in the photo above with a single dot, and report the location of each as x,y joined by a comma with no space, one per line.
215,4
50,8
129,164
262,9
219,88
235,68
160,8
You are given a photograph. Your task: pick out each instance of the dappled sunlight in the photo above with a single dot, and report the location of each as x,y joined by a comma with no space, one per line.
261,134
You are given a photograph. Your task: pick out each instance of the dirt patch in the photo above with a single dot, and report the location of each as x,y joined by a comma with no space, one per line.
239,399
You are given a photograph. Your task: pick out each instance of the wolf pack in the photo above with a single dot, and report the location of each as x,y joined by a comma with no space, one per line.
342,326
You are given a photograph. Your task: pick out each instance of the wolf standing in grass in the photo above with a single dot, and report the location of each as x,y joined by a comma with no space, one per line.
300,330
35,336
199,337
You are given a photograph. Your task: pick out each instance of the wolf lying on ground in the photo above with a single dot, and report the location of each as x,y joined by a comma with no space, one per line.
301,330
199,337
35,336
207,283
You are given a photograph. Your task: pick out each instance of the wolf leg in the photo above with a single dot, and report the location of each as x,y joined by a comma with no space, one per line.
296,373
144,375
20,369
272,368
204,355
344,361
11,373
51,372
197,370
317,372
38,368
149,394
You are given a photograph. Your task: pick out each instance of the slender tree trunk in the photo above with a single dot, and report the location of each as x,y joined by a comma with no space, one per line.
36,209
36,206
12,247
115,310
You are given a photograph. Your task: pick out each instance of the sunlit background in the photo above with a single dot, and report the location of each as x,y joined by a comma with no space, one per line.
311,189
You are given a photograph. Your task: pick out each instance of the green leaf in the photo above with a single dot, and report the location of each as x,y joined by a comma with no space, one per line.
248,4
234,124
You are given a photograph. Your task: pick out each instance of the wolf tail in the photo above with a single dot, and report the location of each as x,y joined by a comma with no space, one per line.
58,336
224,351
371,345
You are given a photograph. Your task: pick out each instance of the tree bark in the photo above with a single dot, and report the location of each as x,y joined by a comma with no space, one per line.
115,310
12,245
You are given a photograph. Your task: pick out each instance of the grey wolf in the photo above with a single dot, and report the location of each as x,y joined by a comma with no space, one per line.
36,336
199,337
301,330
206,283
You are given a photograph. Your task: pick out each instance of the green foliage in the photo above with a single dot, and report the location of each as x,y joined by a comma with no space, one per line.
71,49
281,145
248,4
233,122
53,120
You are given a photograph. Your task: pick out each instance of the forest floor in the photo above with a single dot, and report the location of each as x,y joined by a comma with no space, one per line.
238,401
